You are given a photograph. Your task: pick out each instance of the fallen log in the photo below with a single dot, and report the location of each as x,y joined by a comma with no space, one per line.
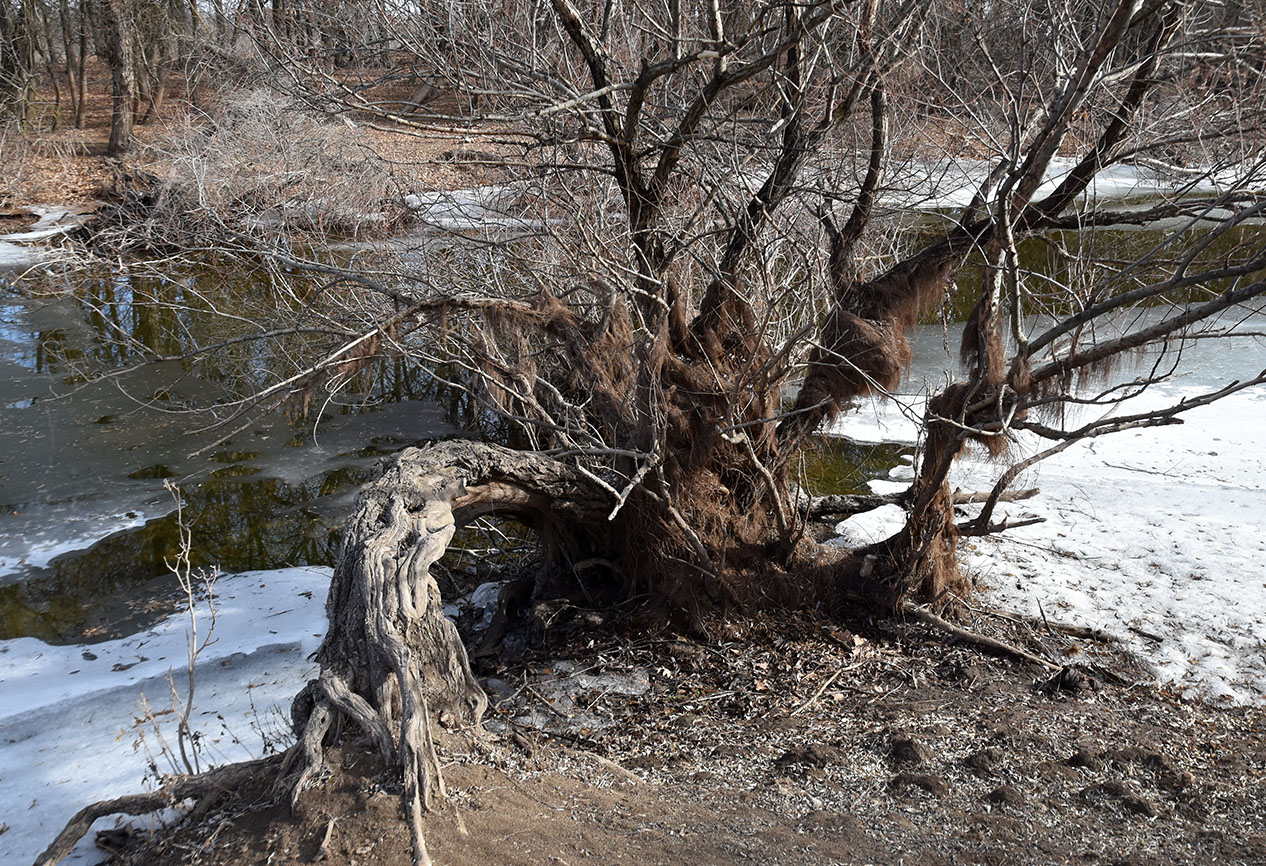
847,504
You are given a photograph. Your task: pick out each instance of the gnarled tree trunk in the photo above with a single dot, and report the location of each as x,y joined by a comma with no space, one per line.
392,662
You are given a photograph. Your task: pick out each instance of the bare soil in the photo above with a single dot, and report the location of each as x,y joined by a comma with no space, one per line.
53,162
789,740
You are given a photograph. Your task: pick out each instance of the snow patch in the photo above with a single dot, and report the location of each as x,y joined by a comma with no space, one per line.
1157,536
869,527
71,719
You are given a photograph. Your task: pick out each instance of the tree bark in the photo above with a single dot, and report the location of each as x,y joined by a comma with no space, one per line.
392,662
116,27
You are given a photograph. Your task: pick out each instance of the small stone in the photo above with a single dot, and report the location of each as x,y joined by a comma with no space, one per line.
1067,680
984,760
1140,806
969,674
1175,781
934,785
1004,732
1127,796
1054,771
1086,760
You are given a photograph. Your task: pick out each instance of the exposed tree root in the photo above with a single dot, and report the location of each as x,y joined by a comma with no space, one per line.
1042,622
392,662
852,503
1009,496
970,637
972,529
211,784
1084,632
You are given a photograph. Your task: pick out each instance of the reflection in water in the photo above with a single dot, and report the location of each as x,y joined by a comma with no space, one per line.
112,321
237,526
839,465
83,453
1062,268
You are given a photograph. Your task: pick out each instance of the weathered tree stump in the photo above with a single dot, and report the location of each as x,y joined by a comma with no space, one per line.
391,661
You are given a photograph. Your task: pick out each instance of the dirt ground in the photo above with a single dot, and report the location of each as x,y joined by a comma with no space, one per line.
53,162
792,741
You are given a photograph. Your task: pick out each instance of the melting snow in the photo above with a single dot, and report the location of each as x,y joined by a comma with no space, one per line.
73,728
1157,536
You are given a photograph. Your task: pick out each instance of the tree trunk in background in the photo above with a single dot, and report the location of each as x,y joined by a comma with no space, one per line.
72,66
17,60
44,45
116,33
81,65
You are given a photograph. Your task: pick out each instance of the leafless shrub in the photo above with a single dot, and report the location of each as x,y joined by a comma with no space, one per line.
197,589
258,165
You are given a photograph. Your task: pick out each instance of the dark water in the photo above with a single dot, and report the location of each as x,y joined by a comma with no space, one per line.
1061,268
86,525
838,465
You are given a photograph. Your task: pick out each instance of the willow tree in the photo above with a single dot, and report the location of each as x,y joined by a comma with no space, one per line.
715,245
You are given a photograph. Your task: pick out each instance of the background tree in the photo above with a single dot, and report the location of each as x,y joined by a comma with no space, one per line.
144,44
117,32
18,29
37,38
